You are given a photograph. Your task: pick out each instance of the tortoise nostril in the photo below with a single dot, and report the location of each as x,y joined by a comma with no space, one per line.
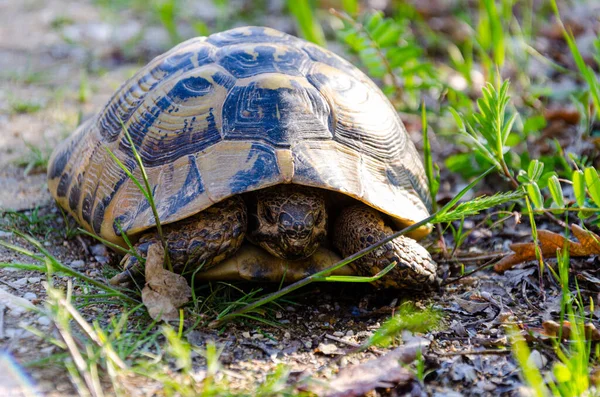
298,226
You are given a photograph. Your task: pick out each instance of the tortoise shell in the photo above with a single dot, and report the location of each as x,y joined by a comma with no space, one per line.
230,113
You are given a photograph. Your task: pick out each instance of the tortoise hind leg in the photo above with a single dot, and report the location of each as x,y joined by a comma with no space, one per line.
359,226
204,239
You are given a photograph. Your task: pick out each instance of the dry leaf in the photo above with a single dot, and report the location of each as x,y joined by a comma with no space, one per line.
552,328
386,371
570,116
164,291
589,244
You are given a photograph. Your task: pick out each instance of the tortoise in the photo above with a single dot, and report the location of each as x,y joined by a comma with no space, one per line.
252,135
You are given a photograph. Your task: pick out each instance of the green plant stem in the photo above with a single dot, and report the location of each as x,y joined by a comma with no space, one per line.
149,195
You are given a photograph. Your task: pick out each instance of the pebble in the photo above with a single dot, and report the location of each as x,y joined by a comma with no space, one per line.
30,296
536,358
43,320
101,259
48,349
78,264
287,335
258,336
246,334
5,234
99,250
307,344
20,282
278,315
34,280
327,348
350,333
17,311
338,334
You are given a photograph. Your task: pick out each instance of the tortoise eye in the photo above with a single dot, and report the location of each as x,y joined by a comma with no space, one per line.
285,220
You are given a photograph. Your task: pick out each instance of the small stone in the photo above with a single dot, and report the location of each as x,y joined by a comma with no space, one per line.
99,250
327,348
47,244
257,336
34,280
43,320
246,334
278,315
338,334
536,358
5,234
78,264
30,296
307,344
287,335
101,259
20,282
48,350
17,311
290,308
350,333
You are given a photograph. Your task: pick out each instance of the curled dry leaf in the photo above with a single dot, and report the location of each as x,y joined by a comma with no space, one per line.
164,291
552,328
385,371
550,242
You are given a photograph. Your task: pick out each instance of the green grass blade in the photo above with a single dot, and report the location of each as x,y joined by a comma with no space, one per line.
357,279
307,23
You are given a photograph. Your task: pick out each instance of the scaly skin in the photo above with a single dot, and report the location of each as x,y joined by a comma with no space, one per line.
360,226
204,239
290,221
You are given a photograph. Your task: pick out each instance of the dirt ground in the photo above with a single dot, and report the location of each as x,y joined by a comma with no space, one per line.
60,61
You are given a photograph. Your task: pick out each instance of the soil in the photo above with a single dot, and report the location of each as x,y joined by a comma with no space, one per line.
66,58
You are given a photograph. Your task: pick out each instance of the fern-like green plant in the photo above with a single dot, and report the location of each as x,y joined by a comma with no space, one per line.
487,130
389,51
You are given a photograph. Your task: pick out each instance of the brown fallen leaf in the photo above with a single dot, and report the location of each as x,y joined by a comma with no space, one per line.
552,328
164,291
588,244
569,116
383,372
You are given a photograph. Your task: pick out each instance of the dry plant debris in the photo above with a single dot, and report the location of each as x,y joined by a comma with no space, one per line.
550,243
165,292
386,371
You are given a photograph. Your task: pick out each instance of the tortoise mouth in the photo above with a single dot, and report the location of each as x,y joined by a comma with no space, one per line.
291,252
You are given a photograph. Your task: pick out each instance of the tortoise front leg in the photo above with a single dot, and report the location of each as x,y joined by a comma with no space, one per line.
204,239
359,226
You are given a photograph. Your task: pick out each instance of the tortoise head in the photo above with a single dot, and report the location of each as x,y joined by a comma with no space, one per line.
291,221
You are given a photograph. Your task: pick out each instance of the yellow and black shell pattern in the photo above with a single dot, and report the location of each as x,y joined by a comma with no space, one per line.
230,113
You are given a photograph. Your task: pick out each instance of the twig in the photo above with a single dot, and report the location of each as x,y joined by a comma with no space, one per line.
475,352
